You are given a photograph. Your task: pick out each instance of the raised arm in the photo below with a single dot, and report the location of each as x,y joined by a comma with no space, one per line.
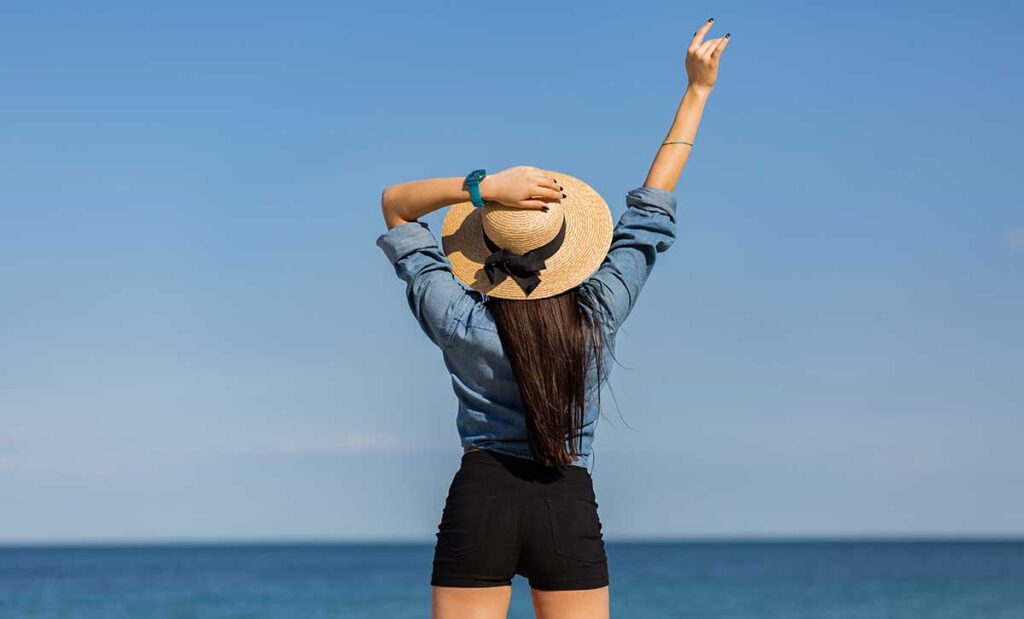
701,71
648,227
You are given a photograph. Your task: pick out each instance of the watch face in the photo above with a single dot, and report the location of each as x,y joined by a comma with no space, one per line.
477,175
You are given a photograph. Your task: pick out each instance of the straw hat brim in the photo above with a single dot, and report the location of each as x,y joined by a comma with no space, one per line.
588,235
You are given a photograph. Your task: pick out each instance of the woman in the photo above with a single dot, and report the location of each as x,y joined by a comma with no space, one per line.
525,300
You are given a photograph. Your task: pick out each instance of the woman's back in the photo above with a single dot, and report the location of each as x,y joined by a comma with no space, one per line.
460,322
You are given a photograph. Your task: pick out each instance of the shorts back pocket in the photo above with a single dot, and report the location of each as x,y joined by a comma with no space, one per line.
463,523
576,528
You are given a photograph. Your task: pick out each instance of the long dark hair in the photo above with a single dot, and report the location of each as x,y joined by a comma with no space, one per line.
551,344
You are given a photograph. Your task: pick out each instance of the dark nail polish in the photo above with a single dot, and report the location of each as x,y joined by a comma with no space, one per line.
564,196
544,208
711,19
727,35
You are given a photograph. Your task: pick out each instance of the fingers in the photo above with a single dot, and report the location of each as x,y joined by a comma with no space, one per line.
548,194
705,49
547,181
717,52
539,177
536,205
540,188
698,37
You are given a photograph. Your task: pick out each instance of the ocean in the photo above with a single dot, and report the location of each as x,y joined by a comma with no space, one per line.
699,579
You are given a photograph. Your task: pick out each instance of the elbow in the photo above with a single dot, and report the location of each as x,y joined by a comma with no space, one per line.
387,202
386,196
388,206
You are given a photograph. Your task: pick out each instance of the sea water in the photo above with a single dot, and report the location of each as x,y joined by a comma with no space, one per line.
727,580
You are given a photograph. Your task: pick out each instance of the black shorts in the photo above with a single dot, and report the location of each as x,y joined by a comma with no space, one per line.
506,515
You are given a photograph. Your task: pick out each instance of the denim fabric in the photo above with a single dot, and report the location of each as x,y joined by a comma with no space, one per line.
456,319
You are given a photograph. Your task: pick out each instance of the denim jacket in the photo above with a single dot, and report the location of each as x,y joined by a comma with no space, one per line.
456,319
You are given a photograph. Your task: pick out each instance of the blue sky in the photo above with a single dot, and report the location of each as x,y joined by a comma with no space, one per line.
201,340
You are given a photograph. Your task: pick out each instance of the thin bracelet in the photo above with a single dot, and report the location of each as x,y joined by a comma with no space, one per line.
678,142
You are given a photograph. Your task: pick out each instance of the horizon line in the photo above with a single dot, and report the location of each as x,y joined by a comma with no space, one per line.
404,541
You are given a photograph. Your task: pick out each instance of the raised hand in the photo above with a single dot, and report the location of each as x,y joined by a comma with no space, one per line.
521,187
702,58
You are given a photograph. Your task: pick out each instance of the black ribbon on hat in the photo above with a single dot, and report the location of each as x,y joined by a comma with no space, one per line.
523,268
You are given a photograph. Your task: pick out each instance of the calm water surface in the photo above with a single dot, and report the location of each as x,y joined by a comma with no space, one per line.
728,580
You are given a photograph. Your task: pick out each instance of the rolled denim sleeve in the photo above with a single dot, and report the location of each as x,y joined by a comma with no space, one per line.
437,299
646,229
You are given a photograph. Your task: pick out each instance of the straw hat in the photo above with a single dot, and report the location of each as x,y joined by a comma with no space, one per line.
513,253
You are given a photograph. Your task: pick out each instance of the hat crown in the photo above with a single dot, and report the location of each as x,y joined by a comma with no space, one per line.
520,230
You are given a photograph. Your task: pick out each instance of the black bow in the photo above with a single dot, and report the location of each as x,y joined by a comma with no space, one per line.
523,268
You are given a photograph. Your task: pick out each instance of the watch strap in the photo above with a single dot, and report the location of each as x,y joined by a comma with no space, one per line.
473,185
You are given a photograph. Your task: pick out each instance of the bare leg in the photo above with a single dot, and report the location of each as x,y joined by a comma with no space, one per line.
585,604
470,602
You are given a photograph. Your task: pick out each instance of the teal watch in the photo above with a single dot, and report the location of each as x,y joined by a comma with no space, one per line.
473,184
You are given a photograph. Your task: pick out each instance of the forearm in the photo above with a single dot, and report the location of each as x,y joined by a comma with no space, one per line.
411,200
517,187
671,158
